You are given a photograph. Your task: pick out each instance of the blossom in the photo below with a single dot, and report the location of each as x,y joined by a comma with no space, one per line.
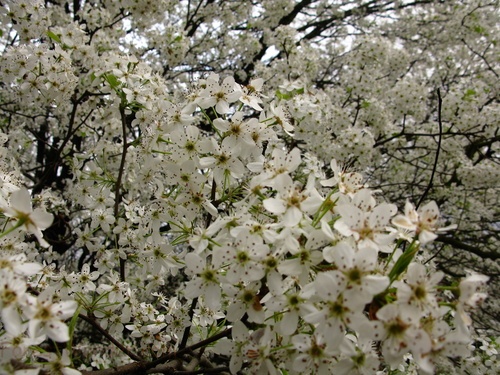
246,300
217,95
366,222
281,118
470,296
292,203
358,358
251,93
313,353
243,258
348,182
206,280
46,317
422,222
359,270
12,292
418,291
58,365
224,162
84,280
400,334
34,221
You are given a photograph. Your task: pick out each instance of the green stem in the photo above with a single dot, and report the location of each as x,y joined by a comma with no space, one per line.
19,223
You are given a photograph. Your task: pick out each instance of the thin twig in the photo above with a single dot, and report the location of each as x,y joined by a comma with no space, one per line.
106,334
140,368
440,123
119,179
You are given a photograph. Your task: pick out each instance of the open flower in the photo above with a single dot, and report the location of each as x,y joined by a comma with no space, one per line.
422,222
47,318
58,365
33,221
217,95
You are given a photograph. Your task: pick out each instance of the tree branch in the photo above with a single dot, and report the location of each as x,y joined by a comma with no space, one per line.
106,334
434,167
142,367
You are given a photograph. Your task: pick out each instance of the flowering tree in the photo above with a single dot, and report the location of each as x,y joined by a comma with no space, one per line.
235,186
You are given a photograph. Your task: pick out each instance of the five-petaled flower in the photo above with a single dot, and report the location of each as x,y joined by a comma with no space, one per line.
34,221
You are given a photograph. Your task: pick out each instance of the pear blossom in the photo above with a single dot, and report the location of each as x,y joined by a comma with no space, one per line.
293,203
281,118
418,290
220,235
206,280
348,182
358,358
245,301
33,221
59,365
244,259
399,334
313,353
12,294
359,269
217,95
276,172
19,265
225,162
47,318
251,94
84,280
471,295
366,222
422,222
14,344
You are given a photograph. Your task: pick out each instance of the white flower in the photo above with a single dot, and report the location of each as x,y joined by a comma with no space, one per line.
470,296
206,281
47,318
19,265
219,95
314,353
418,290
422,222
348,182
361,359
251,94
357,267
59,365
365,222
400,335
33,221
224,162
244,259
84,280
281,118
12,291
293,203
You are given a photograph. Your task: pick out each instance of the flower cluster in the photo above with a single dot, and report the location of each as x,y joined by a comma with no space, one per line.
315,268
165,216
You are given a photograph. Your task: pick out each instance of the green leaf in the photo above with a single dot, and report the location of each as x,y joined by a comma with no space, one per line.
53,36
469,94
112,80
72,325
289,95
480,30
404,261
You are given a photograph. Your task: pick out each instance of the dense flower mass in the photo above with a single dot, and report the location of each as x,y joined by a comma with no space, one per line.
182,191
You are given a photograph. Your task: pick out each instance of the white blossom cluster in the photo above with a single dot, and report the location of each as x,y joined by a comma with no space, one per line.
309,272
205,224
